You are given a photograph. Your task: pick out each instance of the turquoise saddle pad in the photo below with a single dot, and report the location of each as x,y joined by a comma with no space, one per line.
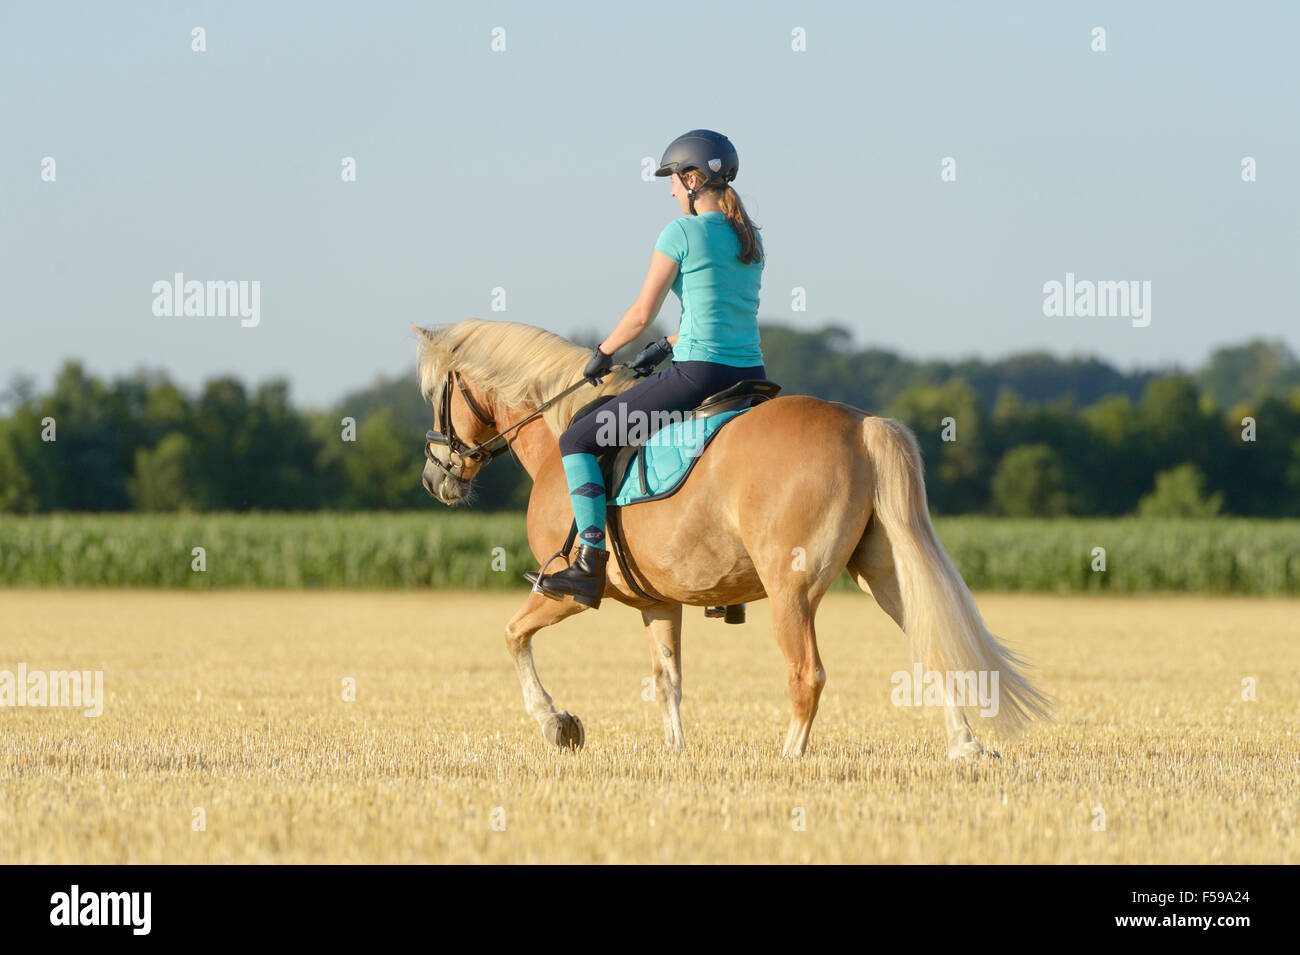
670,453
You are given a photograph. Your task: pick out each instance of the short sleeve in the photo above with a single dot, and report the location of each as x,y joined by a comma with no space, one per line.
672,242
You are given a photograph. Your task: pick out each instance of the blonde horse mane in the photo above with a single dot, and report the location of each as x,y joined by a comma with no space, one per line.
514,364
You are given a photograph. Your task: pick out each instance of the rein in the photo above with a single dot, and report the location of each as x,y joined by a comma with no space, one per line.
443,432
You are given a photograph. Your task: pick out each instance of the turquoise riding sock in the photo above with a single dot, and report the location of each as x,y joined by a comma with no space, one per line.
587,492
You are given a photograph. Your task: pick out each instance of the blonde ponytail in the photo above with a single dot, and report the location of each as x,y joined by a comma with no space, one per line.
751,246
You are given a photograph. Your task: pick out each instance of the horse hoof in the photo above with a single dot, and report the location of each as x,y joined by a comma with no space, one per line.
966,749
564,730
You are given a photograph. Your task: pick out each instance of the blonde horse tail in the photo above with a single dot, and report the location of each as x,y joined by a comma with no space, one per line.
944,629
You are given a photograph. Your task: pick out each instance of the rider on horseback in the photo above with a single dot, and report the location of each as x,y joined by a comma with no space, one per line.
712,259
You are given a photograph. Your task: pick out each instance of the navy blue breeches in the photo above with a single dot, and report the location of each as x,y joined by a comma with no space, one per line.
680,387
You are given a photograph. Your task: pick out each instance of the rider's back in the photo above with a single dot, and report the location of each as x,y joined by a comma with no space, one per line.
718,292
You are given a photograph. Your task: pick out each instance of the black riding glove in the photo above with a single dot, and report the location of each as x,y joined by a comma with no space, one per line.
650,357
596,368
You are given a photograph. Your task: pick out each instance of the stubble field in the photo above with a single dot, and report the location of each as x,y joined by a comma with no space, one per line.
227,709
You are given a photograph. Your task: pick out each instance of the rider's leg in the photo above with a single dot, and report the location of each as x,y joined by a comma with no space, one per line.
584,579
668,390
587,494
679,387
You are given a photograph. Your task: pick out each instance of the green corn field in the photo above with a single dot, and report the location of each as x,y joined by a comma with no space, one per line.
414,550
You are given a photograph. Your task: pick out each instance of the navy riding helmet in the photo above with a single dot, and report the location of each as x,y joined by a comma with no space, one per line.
709,153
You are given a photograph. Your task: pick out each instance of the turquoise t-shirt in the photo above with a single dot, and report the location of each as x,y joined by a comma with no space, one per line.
719,293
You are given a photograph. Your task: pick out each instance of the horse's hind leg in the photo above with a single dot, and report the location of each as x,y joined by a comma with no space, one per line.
793,611
560,729
872,567
663,627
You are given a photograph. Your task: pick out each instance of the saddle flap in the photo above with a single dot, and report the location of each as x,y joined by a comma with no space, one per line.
614,465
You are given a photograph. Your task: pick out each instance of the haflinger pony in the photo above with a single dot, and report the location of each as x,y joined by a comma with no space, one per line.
785,496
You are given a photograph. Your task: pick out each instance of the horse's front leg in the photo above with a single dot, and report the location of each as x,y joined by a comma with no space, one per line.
560,729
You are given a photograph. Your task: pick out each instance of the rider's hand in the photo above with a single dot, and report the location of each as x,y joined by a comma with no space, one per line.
599,364
650,357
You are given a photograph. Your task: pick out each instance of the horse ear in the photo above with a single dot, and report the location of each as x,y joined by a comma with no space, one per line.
421,331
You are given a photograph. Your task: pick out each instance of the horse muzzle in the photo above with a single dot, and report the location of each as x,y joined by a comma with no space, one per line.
443,482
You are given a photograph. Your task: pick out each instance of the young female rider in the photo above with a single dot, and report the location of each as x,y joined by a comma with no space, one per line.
712,258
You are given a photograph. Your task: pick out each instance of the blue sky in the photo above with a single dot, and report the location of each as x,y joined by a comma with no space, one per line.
522,170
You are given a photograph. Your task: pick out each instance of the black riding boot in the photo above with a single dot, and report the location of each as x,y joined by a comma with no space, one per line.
583,580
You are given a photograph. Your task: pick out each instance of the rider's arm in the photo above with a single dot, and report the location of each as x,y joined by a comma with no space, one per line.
658,281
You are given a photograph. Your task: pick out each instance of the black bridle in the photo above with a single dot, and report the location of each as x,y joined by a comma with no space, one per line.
445,433
496,445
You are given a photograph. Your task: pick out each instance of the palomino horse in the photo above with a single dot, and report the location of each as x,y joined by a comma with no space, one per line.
786,496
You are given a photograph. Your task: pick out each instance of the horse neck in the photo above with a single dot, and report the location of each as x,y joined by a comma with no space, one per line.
533,443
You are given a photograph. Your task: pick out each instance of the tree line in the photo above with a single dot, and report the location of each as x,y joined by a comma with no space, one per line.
1028,435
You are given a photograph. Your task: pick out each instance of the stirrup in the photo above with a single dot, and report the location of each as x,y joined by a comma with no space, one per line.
732,613
541,575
